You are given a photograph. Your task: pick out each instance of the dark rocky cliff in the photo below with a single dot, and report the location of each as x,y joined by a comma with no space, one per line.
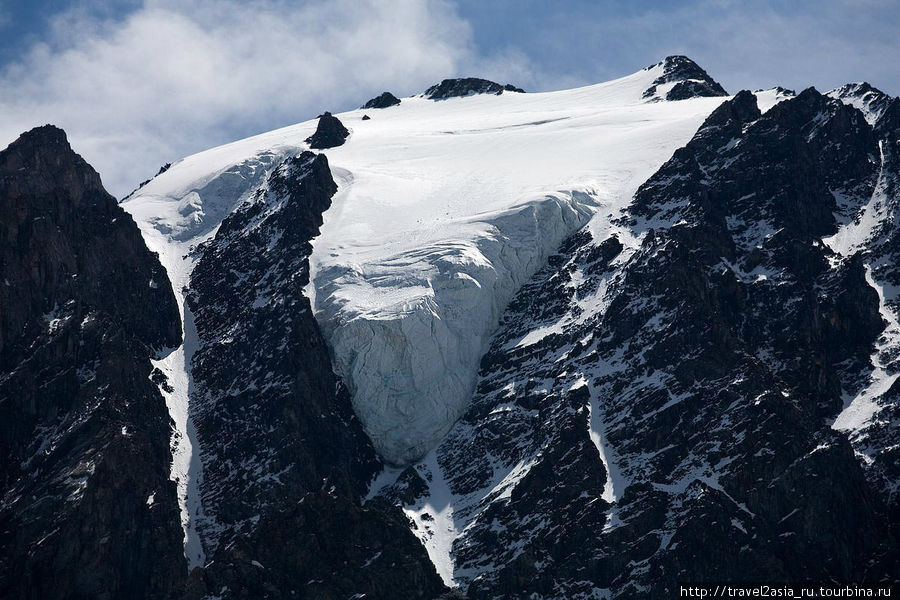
661,403
86,506
285,460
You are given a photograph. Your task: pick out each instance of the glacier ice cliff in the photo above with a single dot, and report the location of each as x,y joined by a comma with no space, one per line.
411,368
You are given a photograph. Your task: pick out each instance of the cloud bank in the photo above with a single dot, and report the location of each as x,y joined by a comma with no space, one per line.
169,80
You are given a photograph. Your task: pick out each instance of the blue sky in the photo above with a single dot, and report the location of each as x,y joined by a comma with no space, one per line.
140,82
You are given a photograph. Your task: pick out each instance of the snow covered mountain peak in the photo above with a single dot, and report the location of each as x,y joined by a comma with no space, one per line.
607,339
444,210
863,96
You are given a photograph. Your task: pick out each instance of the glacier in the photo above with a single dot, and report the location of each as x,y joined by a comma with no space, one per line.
443,210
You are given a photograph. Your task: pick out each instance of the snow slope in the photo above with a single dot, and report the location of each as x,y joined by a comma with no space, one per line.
444,210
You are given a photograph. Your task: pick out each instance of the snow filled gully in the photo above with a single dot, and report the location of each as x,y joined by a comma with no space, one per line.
187,468
860,410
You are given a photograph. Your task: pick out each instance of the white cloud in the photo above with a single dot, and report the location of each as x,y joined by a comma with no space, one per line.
169,80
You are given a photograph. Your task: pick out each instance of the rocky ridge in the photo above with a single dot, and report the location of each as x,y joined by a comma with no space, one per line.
681,79
703,387
656,404
467,86
86,505
285,460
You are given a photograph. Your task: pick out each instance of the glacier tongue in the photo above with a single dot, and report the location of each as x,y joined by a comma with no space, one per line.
444,209
410,351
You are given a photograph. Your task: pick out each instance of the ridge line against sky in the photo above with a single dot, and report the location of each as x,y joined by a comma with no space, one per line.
140,83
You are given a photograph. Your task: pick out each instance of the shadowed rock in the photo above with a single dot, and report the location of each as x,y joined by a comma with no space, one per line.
385,100
469,86
86,506
329,133
284,470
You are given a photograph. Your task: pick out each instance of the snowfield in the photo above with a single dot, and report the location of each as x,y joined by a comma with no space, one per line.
444,209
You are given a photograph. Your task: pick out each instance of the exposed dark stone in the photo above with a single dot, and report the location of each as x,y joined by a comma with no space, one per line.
718,354
468,86
385,100
330,132
670,423
366,118
285,460
87,508
691,81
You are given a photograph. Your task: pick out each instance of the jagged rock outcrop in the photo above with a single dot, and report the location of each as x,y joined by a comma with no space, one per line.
467,86
782,91
383,100
285,460
86,506
656,405
330,132
689,79
871,101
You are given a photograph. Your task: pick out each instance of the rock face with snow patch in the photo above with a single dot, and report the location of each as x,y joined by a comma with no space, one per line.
681,79
285,461
606,342
86,506
655,405
871,101
467,86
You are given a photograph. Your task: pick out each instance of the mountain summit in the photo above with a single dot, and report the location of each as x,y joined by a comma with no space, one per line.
680,78
589,343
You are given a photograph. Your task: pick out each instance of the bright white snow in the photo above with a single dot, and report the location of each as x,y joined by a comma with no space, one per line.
867,102
859,410
444,210
766,99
